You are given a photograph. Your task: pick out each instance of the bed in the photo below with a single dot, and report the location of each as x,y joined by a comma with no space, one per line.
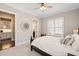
51,46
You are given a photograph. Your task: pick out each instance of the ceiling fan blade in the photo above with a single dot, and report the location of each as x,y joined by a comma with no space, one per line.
49,6
36,8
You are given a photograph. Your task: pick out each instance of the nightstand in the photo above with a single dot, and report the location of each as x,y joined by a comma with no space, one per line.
43,34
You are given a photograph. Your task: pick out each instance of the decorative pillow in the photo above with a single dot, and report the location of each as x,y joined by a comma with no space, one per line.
71,42
68,40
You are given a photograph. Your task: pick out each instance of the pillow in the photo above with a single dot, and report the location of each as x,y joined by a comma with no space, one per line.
71,42
75,35
62,41
69,35
75,45
68,40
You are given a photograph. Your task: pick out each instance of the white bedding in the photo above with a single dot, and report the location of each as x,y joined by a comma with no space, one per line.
52,46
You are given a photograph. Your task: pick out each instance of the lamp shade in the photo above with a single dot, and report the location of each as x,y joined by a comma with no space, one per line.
75,30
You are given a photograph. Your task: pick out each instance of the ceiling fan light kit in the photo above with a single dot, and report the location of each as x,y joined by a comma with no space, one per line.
43,6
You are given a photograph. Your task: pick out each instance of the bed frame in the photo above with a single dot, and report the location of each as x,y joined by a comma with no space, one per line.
38,50
43,53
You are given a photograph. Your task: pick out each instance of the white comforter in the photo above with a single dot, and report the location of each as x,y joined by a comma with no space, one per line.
52,46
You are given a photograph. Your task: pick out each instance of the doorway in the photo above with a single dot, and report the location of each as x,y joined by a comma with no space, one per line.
7,30
35,26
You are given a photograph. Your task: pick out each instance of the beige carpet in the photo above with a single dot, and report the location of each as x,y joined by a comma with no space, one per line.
21,50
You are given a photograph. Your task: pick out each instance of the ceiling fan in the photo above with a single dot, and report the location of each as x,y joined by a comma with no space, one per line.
43,6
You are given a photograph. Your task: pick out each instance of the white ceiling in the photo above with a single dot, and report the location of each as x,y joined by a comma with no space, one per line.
57,8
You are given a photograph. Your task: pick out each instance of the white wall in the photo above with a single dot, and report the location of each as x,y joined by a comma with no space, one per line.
21,36
71,21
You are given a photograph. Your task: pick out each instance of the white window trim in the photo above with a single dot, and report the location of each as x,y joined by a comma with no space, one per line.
59,27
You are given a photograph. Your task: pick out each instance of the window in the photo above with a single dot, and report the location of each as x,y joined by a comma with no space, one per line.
56,27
